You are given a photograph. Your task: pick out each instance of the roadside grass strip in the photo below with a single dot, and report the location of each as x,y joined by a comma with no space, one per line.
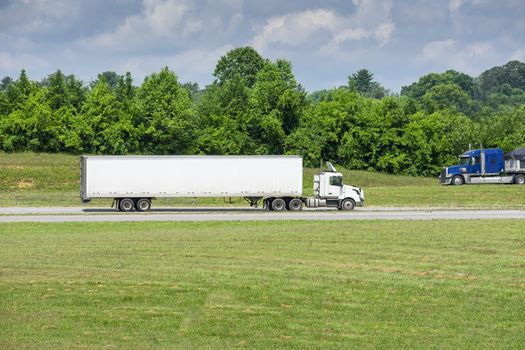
260,285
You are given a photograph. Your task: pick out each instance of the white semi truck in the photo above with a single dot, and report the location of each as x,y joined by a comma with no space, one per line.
134,181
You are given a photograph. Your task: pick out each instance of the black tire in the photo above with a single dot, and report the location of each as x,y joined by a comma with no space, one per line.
278,204
347,204
126,205
295,204
458,180
143,204
519,179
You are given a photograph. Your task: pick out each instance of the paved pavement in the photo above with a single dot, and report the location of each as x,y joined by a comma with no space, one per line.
79,214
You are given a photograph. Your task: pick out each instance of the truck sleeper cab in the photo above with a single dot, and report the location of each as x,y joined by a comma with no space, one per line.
483,166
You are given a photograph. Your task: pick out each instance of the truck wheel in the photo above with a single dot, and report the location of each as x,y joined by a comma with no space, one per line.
458,180
519,179
278,204
295,204
143,204
126,205
347,204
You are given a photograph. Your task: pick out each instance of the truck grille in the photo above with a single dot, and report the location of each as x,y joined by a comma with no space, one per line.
443,174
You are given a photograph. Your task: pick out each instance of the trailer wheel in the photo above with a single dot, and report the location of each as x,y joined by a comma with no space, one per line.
278,204
295,204
347,204
519,179
126,204
458,180
143,204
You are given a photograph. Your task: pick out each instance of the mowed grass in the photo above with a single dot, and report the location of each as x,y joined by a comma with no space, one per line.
290,285
30,179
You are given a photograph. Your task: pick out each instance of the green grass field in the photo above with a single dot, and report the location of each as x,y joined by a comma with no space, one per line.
29,179
296,285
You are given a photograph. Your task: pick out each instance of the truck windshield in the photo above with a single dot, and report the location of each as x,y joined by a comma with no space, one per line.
464,160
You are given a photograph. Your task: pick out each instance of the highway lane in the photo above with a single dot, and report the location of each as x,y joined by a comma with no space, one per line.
79,214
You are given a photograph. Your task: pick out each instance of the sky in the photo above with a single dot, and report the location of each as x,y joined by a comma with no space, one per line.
326,41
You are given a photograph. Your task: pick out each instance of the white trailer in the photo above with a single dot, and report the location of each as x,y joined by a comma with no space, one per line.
134,181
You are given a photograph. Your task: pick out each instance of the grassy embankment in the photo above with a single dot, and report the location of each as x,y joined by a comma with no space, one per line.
49,179
297,285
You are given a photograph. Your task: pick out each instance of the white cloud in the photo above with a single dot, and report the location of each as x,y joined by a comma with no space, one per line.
160,19
38,16
448,52
371,20
192,65
351,34
295,28
454,5
16,62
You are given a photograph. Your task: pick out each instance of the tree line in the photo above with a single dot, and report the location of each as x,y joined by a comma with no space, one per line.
256,106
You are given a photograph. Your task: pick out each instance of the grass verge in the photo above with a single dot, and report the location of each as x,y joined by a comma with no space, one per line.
30,179
296,285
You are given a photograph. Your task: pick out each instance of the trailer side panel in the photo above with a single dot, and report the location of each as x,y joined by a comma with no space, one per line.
191,176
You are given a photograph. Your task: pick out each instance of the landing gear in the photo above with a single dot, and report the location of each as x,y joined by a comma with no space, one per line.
253,201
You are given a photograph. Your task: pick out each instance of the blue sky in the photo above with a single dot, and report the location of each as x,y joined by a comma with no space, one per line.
326,41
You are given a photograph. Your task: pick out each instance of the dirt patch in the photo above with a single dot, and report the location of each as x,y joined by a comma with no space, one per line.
25,183
483,250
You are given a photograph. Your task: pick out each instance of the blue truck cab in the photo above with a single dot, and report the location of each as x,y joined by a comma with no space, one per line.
476,166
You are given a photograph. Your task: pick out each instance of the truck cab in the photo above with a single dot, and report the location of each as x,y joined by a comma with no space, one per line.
475,166
330,191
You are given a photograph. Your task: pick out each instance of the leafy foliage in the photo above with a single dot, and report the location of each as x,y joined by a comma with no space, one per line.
363,82
256,106
242,62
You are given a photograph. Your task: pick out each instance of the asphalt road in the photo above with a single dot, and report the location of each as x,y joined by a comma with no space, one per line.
17,214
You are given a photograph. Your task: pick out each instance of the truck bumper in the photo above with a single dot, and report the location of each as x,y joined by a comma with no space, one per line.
445,181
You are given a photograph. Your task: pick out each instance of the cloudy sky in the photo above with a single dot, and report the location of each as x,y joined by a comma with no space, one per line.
326,40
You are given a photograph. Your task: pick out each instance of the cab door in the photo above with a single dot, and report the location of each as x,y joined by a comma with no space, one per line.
475,165
334,186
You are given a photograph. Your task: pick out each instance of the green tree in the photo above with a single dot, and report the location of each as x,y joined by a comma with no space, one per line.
222,119
31,127
110,77
316,135
111,130
447,96
242,62
5,82
418,89
64,91
276,103
363,82
163,115
512,73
